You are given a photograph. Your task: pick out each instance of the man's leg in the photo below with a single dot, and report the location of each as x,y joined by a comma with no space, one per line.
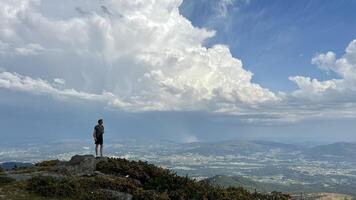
101,150
96,149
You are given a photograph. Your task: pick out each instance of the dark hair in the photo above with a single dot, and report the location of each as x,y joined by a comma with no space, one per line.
100,121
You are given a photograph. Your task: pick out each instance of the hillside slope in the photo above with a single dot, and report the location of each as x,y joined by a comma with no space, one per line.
294,189
341,151
85,177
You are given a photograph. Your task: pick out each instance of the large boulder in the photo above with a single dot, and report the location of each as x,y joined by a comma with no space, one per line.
80,165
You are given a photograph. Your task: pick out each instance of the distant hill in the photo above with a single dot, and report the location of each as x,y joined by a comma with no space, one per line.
238,147
341,151
251,185
11,165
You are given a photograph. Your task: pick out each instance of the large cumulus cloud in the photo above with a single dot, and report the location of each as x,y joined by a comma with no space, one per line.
143,53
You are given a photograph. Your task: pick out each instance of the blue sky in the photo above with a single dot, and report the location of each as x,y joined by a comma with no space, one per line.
278,37
193,70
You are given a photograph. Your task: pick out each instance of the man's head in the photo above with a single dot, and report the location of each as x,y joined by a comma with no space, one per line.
100,121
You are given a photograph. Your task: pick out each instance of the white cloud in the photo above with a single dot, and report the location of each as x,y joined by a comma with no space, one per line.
325,61
144,55
29,49
345,66
329,90
59,81
6,49
144,52
21,83
334,98
223,7
310,88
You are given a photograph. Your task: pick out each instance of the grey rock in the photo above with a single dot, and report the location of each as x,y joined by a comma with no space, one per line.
79,165
81,159
116,195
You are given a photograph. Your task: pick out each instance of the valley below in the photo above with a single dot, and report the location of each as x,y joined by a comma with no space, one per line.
256,165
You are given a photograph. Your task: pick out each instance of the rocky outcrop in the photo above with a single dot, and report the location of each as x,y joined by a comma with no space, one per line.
80,165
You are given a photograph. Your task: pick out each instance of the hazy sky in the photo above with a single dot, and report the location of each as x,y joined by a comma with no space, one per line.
192,70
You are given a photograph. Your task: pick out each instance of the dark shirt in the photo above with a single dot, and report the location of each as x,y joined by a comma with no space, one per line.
99,130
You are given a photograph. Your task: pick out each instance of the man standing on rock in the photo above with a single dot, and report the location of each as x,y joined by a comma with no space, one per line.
98,137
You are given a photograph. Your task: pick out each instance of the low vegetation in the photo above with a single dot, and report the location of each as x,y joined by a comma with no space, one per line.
115,177
142,180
